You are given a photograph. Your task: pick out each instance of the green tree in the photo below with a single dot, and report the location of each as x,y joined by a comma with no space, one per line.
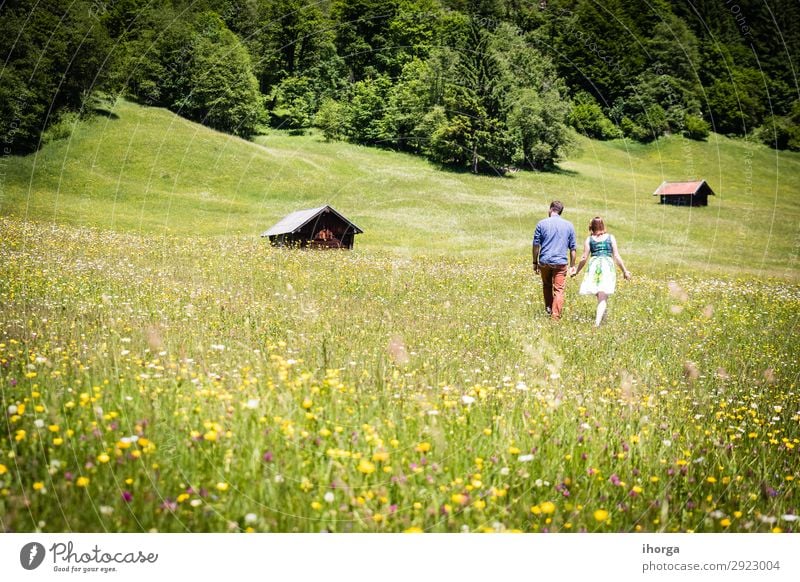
587,117
331,118
56,57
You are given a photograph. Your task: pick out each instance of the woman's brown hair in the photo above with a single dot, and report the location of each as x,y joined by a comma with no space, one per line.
597,226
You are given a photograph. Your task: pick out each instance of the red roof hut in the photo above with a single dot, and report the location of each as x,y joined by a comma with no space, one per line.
684,193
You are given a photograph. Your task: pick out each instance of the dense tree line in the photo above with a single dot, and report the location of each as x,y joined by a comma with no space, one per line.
478,84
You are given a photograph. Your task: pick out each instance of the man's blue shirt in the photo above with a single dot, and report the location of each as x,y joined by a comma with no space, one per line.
556,237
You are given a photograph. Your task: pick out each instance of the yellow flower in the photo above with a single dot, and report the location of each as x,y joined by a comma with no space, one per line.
413,529
182,497
82,482
725,522
636,489
58,441
377,518
210,436
487,431
548,507
711,479
364,466
423,447
459,499
38,486
316,505
536,510
600,515
479,504
307,403
103,458
380,456
20,435
513,451
53,428
3,469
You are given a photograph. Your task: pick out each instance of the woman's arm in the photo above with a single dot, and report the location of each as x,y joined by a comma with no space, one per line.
617,258
584,257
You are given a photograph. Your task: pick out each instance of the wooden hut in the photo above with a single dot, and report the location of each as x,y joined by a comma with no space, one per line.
321,227
684,193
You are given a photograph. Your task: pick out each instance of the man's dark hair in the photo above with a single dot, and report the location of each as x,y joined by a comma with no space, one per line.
557,206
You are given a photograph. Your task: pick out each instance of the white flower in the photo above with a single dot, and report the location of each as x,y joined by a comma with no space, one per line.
124,352
505,471
467,399
38,423
522,386
250,518
106,509
252,403
789,517
278,478
12,409
433,413
768,519
329,497
666,443
525,458
196,502
218,347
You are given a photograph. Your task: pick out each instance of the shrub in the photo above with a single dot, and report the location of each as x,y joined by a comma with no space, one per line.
695,127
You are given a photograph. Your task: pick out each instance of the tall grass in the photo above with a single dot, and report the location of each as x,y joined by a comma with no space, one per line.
193,383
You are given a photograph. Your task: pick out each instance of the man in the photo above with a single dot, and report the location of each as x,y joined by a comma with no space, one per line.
552,239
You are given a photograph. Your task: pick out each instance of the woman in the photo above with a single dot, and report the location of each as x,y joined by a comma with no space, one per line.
600,280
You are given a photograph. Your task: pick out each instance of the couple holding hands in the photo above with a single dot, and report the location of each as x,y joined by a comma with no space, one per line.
553,239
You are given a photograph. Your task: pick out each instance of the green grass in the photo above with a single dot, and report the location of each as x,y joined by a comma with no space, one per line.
152,172
162,368
307,391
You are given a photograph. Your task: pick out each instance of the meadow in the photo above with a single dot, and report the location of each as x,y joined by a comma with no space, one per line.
163,369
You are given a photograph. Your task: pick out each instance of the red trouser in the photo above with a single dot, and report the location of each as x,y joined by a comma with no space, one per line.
554,280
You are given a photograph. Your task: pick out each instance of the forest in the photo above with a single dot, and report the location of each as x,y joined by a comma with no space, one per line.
478,85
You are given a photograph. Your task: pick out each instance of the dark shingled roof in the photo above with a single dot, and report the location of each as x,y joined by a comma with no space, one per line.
297,220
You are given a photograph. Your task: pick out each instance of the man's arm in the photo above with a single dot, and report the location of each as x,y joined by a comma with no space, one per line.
536,249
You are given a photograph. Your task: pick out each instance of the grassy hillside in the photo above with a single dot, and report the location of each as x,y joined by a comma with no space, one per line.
147,170
166,370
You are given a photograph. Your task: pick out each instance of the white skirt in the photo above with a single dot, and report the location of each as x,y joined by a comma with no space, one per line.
600,277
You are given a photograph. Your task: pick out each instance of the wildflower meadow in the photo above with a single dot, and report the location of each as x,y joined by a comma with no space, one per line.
190,384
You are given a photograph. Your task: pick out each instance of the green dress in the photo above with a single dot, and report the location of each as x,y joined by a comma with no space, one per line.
601,272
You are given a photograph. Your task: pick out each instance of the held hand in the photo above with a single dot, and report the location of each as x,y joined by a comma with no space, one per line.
536,268
573,271
627,275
